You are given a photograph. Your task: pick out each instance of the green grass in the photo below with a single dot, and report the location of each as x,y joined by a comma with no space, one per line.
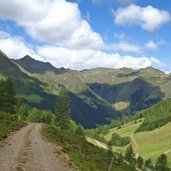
8,124
125,131
152,144
31,98
149,144
122,105
84,155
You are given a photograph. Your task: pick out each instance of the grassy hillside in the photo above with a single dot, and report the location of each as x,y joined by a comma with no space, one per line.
97,95
153,143
126,129
83,154
149,144
25,85
156,116
88,108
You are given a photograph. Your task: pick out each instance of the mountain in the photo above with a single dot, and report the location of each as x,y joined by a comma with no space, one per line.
35,66
8,68
156,116
97,95
27,88
39,93
150,136
138,93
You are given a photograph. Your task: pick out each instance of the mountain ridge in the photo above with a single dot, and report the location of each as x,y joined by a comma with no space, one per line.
93,93
36,66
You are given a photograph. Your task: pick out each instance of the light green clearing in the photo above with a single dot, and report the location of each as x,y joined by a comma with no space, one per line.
125,131
31,98
121,105
149,144
152,144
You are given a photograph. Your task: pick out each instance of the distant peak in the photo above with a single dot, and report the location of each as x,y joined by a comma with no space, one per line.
28,57
150,68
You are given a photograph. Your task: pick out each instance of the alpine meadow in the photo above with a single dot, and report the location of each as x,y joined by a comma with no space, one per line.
85,85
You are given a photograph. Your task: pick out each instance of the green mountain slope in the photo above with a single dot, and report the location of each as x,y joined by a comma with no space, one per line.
28,88
149,144
156,116
97,95
138,93
41,90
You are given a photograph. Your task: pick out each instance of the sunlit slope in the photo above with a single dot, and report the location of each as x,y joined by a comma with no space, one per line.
149,144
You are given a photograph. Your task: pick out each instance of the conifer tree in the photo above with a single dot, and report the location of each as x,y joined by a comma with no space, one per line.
140,162
129,155
63,110
7,96
161,164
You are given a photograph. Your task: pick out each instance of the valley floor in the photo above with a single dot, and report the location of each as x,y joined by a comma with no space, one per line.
26,150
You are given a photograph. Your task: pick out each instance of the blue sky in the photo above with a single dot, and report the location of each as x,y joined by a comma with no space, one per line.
83,34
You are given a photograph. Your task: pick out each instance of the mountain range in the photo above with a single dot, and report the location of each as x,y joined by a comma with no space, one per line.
96,95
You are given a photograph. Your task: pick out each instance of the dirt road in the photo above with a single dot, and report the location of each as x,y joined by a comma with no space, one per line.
26,150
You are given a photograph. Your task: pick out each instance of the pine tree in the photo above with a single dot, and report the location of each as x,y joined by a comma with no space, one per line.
129,155
7,96
161,164
80,131
62,110
149,164
140,162
34,115
23,111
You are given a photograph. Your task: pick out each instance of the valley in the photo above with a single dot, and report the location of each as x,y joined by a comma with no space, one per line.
85,85
150,144
117,110
101,94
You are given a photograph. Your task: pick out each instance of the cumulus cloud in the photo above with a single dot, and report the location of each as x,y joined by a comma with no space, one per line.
81,59
56,22
148,18
14,47
78,59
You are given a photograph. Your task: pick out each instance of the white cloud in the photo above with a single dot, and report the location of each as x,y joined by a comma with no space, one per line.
124,46
14,47
151,45
124,2
81,59
148,18
55,22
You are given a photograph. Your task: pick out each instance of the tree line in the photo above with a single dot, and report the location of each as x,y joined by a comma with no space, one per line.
161,163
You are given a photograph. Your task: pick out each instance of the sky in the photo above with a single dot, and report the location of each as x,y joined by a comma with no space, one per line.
84,34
